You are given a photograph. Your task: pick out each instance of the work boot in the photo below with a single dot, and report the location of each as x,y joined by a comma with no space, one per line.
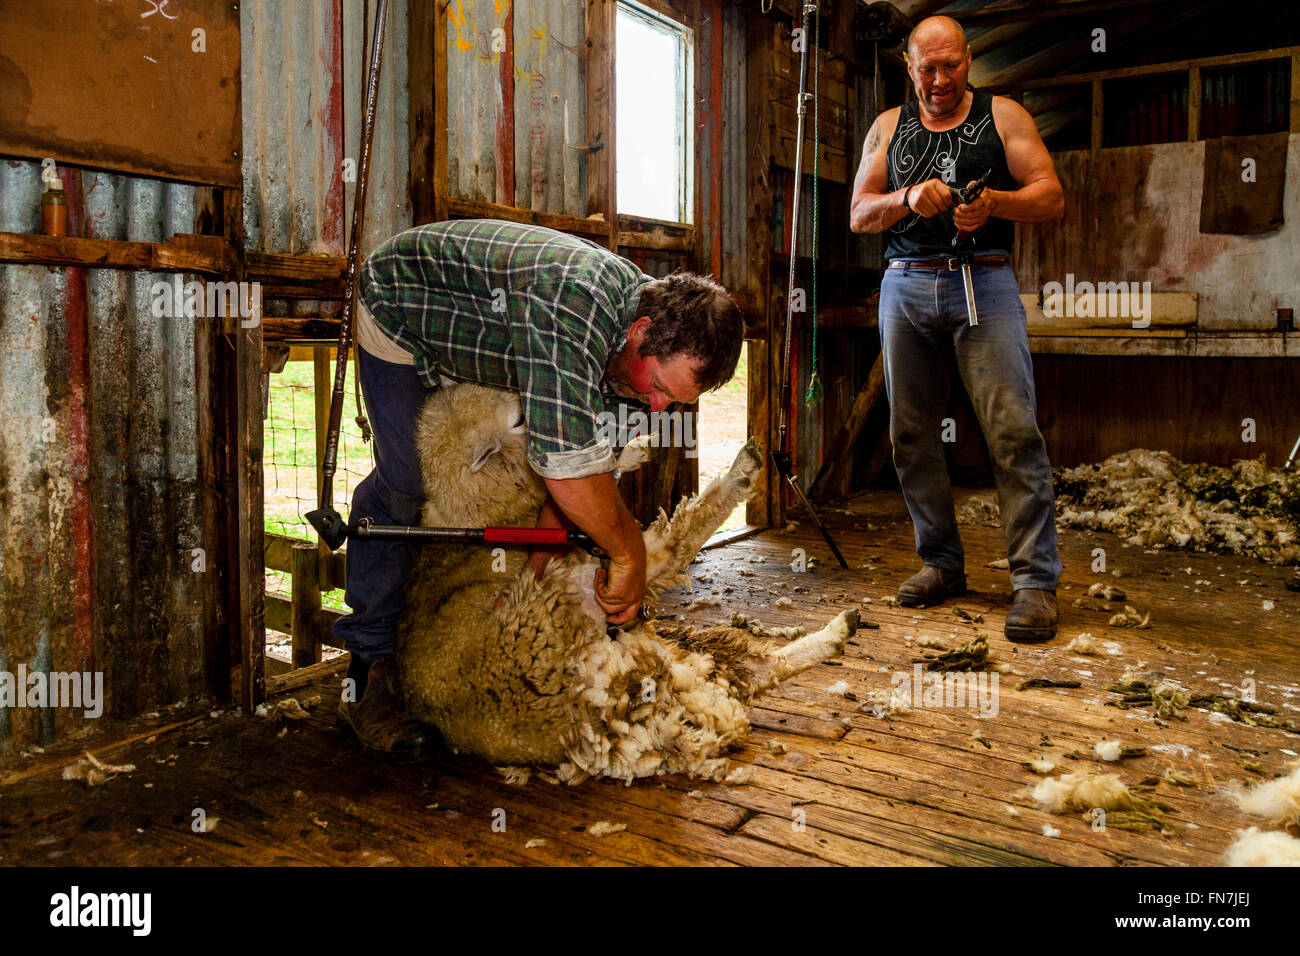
1033,616
381,723
931,586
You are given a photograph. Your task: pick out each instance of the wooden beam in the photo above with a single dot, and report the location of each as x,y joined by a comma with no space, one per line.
847,435
304,676
1155,69
204,255
278,556
478,209
297,276
1036,10
279,328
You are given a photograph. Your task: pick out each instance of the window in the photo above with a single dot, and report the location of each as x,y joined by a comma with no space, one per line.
653,72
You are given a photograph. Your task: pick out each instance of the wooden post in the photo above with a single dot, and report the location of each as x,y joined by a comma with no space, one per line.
1295,92
763,396
306,602
322,388
1096,115
427,85
602,168
249,574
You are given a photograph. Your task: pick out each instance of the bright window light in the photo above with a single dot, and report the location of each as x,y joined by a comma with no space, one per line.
652,58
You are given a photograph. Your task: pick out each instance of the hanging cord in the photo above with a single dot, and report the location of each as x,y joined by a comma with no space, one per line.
814,395
362,422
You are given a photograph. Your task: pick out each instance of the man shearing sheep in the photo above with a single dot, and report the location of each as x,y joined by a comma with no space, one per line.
950,136
566,323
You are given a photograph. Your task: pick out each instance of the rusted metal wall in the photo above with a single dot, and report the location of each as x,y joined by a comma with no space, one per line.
516,90
99,462
303,69
1144,202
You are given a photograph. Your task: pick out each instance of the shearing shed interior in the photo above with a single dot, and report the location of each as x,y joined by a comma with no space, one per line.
951,515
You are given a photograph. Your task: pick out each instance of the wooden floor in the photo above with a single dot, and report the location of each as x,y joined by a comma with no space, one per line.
915,790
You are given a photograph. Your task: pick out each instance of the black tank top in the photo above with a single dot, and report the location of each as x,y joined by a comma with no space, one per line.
956,156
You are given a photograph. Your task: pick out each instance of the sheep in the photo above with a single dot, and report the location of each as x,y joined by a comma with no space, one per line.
521,671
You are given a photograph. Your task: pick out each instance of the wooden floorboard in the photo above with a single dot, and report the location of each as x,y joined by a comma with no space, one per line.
831,784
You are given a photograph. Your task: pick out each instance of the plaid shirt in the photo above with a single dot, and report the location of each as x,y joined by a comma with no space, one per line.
512,306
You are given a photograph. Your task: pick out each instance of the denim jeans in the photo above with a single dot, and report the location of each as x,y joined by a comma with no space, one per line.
924,332
391,494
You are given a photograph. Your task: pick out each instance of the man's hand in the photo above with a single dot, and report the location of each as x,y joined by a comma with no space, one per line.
968,217
620,590
930,198
594,505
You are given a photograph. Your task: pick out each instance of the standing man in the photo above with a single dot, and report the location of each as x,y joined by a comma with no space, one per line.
565,323
951,135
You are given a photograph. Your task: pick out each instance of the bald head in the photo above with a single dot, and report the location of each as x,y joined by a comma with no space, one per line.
936,29
938,61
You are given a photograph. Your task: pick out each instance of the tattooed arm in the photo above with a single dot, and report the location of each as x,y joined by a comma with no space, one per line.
874,208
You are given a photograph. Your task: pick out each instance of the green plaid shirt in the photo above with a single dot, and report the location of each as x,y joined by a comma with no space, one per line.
512,306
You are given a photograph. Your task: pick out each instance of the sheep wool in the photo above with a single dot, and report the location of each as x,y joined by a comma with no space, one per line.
1269,848
1277,801
1109,750
1153,500
1082,791
521,671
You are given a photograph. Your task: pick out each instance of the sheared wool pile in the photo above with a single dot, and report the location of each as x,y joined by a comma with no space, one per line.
1253,848
1152,499
1083,791
1125,810
1277,801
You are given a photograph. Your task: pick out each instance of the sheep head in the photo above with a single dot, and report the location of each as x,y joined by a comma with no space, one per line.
472,446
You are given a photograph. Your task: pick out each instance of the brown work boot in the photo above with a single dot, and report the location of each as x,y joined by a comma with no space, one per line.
1033,616
931,586
383,726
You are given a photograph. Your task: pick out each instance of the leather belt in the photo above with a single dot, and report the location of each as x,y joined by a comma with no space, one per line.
950,263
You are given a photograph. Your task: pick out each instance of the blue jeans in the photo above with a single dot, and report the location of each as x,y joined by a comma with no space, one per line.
923,332
392,493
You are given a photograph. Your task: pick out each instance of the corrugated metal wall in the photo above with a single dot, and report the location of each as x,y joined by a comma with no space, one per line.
548,86
99,454
99,459
302,120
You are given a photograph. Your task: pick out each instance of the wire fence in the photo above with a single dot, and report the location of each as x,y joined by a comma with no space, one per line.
292,484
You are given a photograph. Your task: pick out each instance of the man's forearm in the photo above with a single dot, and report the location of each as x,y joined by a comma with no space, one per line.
594,505
876,212
1037,202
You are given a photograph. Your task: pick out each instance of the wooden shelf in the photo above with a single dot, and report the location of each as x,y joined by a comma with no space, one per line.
1165,342
203,255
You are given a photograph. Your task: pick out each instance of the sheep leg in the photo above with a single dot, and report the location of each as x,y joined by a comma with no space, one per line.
797,656
671,544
